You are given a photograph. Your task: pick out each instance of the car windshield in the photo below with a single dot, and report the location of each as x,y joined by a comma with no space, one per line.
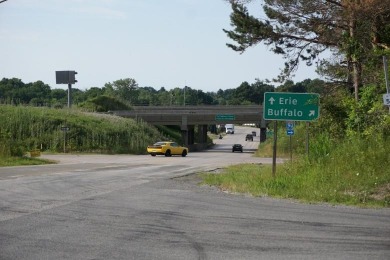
160,143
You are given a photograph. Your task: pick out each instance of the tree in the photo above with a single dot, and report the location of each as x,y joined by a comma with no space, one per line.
164,98
93,92
10,90
104,103
38,91
59,95
205,98
301,30
16,92
290,86
147,96
125,89
314,86
259,88
243,92
78,96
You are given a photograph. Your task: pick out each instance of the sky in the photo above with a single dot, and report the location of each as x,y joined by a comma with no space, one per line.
158,43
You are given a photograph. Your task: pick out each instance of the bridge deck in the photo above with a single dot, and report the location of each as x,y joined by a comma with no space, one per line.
194,115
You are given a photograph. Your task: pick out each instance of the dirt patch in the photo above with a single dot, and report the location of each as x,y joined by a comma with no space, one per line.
195,177
382,192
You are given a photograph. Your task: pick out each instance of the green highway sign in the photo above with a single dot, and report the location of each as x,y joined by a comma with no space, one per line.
225,117
291,106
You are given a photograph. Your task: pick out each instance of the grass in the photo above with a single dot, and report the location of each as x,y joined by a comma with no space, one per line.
354,172
21,161
28,128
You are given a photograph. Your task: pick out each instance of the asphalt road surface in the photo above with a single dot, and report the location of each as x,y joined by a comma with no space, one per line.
143,207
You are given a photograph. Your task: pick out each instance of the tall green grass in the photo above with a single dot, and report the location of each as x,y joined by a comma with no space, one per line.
297,142
20,161
354,172
26,128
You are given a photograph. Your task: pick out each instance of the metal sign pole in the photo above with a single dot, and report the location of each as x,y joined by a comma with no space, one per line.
65,129
290,148
69,95
64,141
290,132
274,150
307,139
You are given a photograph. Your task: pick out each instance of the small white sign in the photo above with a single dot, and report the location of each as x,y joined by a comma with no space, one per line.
386,99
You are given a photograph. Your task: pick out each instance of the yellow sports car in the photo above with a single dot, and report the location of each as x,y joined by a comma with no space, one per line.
167,149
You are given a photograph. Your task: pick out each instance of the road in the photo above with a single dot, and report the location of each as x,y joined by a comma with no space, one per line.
226,143
143,207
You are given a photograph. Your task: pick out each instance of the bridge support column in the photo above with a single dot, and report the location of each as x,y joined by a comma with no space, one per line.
187,134
213,129
263,134
202,134
191,134
263,130
184,134
184,137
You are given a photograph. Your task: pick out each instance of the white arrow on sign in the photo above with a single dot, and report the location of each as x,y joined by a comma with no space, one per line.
272,100
312,113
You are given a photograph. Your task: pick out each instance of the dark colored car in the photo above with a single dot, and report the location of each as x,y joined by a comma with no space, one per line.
249,137
237,147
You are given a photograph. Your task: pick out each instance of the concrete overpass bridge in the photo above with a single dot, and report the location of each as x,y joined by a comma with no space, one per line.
188,117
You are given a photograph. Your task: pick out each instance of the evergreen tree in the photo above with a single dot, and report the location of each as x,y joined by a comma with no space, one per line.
301,30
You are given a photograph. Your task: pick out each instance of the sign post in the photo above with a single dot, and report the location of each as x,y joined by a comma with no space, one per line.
274,149
65,129
290,132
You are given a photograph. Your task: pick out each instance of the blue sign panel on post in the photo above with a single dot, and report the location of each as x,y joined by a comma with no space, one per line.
290,127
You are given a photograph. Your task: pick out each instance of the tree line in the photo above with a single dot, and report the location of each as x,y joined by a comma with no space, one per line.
124,93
